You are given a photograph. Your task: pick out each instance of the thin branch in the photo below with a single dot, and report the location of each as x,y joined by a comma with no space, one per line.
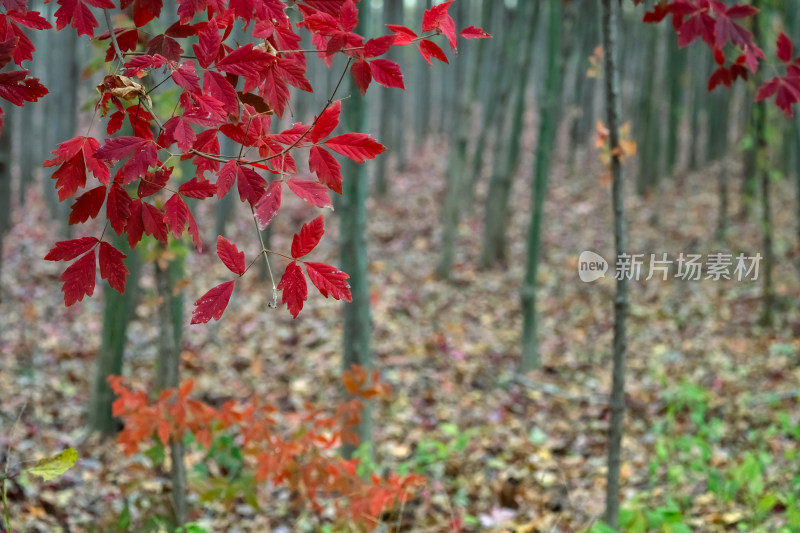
274,303
305,133
114,43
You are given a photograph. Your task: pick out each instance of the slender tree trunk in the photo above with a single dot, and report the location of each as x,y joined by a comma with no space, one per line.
548,125
423,100
168,376
722,193
676,65
5,176
648,125
352,209
491,75
496,215
451,215
762,169
391,122
610,21
762,165
797,178
118,311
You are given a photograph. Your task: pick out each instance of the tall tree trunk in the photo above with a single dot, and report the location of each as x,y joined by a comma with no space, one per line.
610,21
548,125
451,215
423,90
5,175
796,126
676,69
118,311
168,371
391,121
352,208
496,215
491,75
762,169
648,125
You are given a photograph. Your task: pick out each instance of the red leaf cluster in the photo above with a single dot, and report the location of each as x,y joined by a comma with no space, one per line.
300,457
225,89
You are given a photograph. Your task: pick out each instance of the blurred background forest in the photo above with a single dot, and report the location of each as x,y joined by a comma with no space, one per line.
498,355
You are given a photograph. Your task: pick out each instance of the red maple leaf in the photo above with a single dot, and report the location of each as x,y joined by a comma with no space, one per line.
387,73
472,32
78,14
112,268
294,287
143,153
784,48
177,215
379,46
79,279
118,208
186,77
308,238
403,35
327,169
312,192
267,206
362,75
786,91
69,250
330,281
74,157
87,205
357,146
208,44
430,49
326,122
152,182
230,255
212,304
17,88
198,188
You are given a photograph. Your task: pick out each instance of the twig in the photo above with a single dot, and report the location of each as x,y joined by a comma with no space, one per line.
274,303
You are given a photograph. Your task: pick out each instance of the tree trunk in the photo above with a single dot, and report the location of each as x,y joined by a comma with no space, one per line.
118,311
548,124
762,169
492,74
5,175
451,215
352,208
676,70
610,21
496,216
423,90
168,371
391,121
648,126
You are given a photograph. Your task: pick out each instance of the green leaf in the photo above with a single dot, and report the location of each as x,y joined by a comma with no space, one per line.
537,436
450,429
53,467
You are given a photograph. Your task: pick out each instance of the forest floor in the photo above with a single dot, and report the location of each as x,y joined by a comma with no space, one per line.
701,367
